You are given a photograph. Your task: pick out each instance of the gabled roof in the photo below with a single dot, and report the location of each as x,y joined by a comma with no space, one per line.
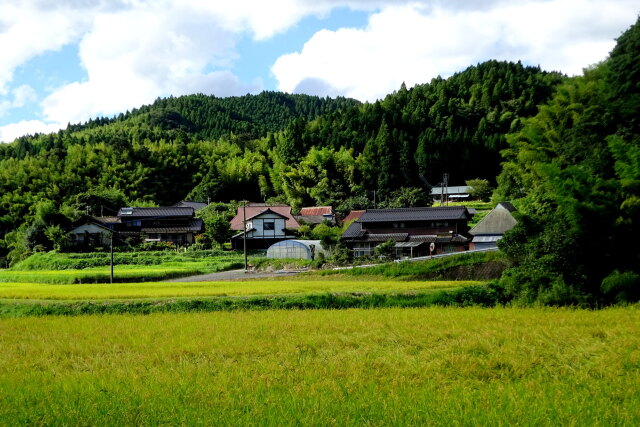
315,211
253,209
268,211
415,214
497,222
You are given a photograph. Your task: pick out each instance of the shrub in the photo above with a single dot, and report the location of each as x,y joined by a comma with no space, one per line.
621,286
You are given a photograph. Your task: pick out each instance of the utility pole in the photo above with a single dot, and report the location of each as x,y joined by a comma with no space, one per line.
111,277
244,234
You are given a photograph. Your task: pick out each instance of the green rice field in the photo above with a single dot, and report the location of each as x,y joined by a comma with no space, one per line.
428,366
301,285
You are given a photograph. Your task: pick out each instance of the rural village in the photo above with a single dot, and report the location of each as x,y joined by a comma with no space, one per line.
420,213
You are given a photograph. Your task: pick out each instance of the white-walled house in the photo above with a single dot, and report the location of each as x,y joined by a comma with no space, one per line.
262,230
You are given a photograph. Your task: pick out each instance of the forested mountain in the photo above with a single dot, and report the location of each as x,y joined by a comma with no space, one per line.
297,149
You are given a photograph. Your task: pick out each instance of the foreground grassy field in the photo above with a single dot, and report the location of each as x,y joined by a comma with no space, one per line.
301,285
441,366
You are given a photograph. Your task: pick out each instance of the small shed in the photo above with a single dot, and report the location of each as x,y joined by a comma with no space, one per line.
297,249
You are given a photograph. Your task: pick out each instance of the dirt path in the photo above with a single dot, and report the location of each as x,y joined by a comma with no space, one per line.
235,275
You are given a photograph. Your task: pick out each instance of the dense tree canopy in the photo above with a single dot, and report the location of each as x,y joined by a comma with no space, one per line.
574,171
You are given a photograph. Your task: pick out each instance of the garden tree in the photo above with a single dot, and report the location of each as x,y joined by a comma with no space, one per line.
385,250
57,236
329,236
216,218
574,169
100,201
480,189
16,245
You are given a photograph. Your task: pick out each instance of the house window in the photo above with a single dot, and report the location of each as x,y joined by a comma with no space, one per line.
269,226
362,249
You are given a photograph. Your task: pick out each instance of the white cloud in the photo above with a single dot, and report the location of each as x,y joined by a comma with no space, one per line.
22,95
415,42
154,52
12,131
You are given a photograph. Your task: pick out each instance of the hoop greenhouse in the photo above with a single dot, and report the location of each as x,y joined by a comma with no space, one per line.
298,249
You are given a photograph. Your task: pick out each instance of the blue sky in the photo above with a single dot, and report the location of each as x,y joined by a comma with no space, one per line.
65,61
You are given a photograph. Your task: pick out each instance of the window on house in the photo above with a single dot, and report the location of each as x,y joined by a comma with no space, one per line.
269,226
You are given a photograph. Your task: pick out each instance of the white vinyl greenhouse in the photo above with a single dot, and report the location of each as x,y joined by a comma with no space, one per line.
298,249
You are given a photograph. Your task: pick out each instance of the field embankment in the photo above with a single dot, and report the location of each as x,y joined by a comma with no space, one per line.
436,366
464,266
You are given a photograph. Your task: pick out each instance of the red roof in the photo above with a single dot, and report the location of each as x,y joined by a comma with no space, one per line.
353,215
254,209
315,211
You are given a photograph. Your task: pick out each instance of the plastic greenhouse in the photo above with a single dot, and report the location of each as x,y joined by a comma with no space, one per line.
299,249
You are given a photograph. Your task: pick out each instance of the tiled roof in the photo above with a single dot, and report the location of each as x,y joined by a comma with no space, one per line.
415,214
194,226
254,209
353,215
318,210
168,211
105,219
384,237
425,238
195,205
354,231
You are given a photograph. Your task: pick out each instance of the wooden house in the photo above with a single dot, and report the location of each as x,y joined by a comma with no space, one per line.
413,230
163,224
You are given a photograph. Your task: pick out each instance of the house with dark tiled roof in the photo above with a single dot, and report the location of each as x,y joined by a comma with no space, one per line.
492,227
415,231
163,224
264,225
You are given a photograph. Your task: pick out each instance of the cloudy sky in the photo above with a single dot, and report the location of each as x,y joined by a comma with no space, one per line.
65,61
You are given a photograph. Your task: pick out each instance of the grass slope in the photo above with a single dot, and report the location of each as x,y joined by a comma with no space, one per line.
389,366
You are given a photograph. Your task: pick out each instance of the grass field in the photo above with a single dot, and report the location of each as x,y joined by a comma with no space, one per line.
300,285
436,366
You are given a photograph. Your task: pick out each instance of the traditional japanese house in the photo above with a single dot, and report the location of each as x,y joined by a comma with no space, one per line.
415,231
